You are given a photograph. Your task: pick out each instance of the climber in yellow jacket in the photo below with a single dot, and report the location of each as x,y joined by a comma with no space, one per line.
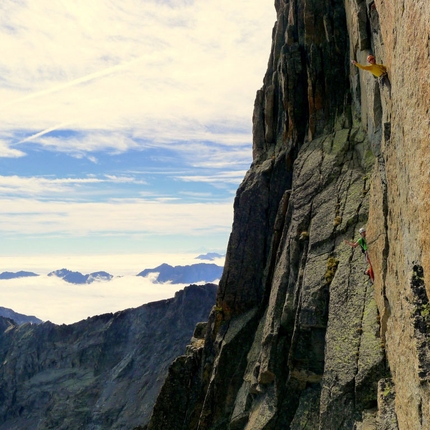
378,70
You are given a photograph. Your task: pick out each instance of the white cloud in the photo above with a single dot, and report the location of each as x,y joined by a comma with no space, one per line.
231,149
31,186
230,177
151,67
7,152
113,142
132,217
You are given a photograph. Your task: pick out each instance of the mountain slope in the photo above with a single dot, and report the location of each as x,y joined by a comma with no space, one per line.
17,317
103,372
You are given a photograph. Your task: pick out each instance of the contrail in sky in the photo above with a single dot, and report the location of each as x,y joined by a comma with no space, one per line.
78,81
41,133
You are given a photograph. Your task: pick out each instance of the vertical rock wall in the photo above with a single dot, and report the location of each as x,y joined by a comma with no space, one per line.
300,338
399,213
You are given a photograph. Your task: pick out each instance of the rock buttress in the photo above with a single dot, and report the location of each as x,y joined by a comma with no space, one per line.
299,338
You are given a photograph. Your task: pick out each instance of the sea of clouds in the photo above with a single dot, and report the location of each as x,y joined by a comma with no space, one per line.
51,298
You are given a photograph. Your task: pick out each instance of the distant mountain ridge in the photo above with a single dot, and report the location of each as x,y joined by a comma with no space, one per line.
189,274
185,274
13,275
79,278
17,317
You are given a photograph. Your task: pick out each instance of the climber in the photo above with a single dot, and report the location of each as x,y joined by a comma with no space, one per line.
363,245
362,242
378,70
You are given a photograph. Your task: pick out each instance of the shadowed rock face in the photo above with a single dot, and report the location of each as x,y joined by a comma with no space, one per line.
101,373
299,338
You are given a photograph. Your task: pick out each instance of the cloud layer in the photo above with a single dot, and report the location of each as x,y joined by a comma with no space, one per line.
141,217
51,298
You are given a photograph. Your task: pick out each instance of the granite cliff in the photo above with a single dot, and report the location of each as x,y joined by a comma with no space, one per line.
101,373
299,337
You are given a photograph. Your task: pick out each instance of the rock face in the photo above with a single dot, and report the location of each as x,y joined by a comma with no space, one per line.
101,373
299,337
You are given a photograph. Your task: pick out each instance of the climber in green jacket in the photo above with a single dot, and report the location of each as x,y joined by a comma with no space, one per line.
360,242
363,245
378,70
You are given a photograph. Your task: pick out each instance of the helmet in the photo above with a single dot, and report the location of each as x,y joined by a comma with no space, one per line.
370,58
362,230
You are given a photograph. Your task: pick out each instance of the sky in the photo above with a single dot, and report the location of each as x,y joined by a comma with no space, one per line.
125,127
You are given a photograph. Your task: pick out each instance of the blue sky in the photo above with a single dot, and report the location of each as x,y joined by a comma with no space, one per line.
125,127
